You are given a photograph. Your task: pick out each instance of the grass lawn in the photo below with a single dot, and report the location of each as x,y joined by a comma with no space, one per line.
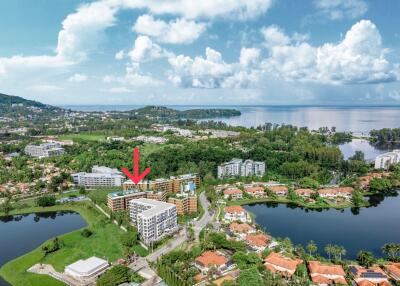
83,136
104,243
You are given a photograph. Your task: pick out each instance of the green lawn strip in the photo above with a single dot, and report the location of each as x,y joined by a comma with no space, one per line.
140,250
83,136
104,243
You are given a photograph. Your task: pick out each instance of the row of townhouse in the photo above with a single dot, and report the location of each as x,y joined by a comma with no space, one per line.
175,184
281,190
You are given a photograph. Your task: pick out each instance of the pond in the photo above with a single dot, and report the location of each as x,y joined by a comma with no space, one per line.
21,234
355,229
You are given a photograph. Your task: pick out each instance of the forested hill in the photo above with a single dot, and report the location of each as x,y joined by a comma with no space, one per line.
162,112
15,107
9,100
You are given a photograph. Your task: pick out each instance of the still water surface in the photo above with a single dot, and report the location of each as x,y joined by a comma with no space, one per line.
357,119
22,233
355,229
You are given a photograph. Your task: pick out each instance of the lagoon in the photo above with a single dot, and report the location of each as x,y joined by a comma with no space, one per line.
20,234
355,229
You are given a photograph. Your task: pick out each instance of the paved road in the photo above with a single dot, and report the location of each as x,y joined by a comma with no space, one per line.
142,264
206,218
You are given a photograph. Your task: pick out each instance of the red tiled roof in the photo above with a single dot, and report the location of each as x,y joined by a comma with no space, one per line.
240,227
209,258
254,189
232,192
304,191
319,268
282,261
257,240
393,268
278,188
234,209
341,190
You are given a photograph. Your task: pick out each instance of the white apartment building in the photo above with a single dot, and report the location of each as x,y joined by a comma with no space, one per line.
153,219
236,167
44,150
100,177
384,161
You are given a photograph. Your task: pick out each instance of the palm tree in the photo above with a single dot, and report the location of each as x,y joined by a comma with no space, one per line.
312,247
390,249
329,250
365,258
341,251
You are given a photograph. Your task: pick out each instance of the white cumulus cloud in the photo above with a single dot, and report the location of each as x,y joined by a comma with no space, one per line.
45,88
145,50
178,31
359,58
212,71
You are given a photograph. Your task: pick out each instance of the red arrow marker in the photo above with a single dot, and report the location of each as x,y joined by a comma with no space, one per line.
136,177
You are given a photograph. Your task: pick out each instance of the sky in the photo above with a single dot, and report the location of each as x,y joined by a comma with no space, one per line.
208,52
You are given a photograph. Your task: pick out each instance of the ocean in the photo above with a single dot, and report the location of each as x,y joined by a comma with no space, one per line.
357,119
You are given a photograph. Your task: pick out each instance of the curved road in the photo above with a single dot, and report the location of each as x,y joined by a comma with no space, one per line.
181,237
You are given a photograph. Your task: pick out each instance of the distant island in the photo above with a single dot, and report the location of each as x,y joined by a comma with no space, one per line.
162,112
15,106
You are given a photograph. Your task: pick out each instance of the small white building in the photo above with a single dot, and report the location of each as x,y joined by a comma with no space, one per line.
384,161
88,268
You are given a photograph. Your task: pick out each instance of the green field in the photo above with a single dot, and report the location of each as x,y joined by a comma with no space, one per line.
83,137
104,243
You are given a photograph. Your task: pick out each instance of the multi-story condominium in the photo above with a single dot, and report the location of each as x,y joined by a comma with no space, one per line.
151,139
185,203
119,201
153,219
187,182
238,167
384,161
44,150
100,177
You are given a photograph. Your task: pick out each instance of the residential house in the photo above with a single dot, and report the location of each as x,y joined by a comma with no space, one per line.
241,230
393,269
210,259
257,192
257,242
235,213
373,276
345,192
365,180
279,190
304,193
277,263
326,274
233,193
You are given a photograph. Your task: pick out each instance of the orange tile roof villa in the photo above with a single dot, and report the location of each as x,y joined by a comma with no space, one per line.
276,262
257,241
304,192
255,191
325,274
393,269
279,190
234,209
373,276
232,192
241,228
334,192
209,259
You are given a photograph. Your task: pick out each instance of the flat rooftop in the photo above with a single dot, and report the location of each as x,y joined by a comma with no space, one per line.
155,206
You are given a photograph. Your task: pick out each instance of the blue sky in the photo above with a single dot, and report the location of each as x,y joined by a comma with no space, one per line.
213,52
